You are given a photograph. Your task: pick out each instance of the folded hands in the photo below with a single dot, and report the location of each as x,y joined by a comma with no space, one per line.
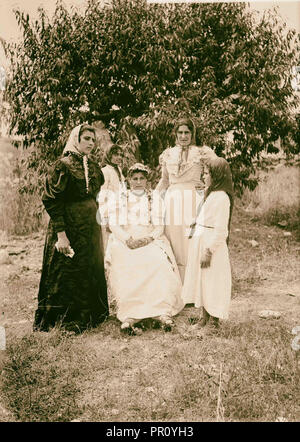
137,243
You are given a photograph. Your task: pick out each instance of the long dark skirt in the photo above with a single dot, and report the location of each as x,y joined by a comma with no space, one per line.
73,291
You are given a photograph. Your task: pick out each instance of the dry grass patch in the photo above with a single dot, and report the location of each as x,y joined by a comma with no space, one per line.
20,212
277,196
247,371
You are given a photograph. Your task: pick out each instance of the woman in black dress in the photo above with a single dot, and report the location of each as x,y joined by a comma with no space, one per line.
73,288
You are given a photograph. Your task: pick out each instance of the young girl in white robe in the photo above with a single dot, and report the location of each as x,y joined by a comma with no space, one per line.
142,272
207,281
114,182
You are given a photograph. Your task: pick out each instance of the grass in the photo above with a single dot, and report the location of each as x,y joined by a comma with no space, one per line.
277,196
20,213
247,371
35,365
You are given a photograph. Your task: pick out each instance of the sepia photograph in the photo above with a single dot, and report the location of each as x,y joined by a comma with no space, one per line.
149,214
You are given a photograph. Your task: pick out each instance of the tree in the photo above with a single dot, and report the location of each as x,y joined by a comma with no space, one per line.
140,65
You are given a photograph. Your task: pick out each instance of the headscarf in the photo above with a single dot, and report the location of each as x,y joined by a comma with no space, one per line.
221,179
72,146
111,151
73,141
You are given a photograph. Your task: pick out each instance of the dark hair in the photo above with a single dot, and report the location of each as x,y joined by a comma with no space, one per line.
185,122
86,127
221,179
113,150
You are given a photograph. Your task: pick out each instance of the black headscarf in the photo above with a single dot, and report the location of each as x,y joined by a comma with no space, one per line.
221,179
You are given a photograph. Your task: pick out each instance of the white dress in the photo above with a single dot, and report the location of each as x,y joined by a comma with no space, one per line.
145,282
210,287
112,183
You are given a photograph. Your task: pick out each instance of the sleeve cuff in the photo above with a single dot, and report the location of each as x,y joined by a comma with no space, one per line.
59,224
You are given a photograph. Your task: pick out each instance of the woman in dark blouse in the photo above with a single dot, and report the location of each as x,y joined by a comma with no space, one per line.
73,289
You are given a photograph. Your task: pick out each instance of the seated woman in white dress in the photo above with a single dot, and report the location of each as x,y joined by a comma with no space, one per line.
142,271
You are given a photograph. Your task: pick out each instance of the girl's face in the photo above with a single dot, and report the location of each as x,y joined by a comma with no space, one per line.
206,177
117,158
138,182
184,136
87,142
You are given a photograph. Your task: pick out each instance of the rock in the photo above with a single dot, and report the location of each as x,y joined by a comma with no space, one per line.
2,338
287,234
150,390
253,242
291,294
237,230
4,257
22,321
282,223
115,412
4,411
266,314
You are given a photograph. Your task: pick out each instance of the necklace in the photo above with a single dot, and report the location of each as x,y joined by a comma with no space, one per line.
86,172
149,195
184,153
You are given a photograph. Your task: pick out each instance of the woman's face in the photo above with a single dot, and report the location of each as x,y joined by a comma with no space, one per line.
117,158
138,182
87,142
184,136
206,177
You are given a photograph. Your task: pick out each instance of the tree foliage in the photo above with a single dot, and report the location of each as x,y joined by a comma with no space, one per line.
140,66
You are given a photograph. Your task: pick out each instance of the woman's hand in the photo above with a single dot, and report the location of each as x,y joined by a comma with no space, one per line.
63,244
131,243
145,241
137,243
206,259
